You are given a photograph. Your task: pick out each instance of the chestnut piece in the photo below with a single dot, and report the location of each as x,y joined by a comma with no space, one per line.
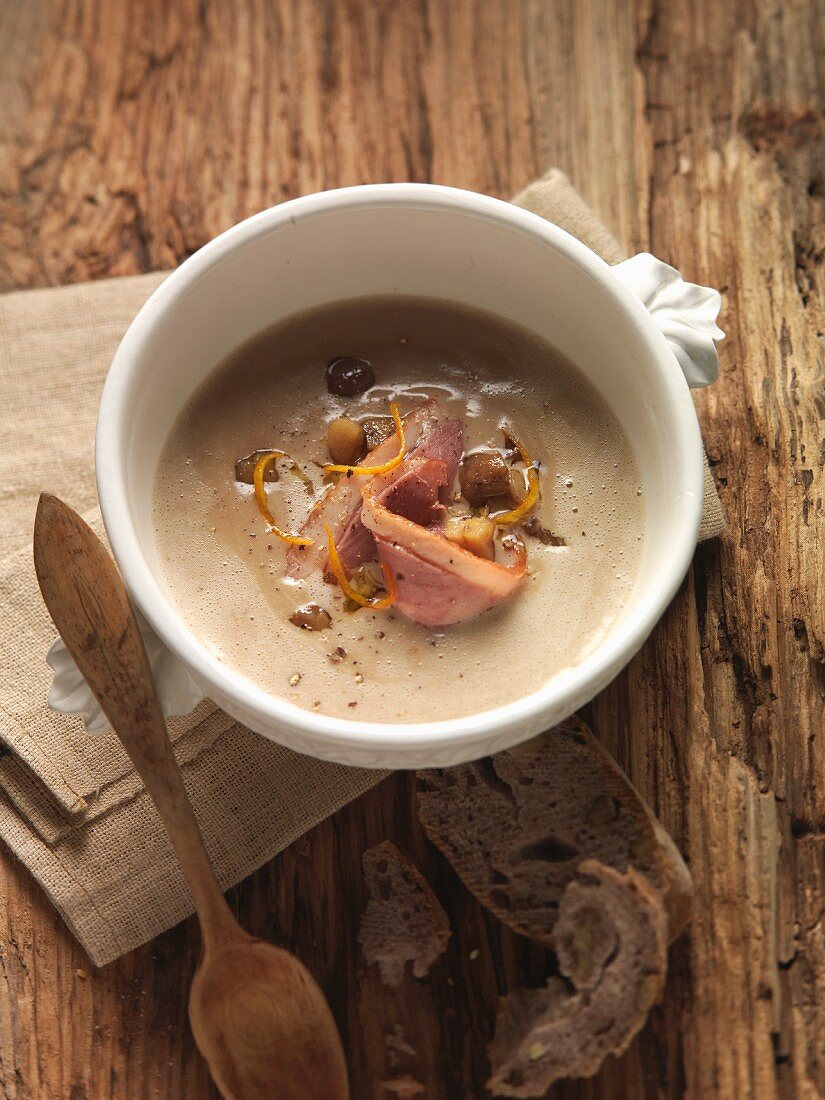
347,377
473,533
245,468
346,441
311,616
377,429
483,476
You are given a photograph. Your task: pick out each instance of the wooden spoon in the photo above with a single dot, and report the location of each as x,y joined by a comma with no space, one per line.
258,1017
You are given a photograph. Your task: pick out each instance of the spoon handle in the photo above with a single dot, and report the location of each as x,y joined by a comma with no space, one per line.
87,600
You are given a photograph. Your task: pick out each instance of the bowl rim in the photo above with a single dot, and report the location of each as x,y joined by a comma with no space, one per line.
315,732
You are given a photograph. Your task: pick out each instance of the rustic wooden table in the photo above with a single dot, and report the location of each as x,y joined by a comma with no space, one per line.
132,132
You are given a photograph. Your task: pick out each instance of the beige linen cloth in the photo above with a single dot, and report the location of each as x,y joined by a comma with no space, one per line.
71,806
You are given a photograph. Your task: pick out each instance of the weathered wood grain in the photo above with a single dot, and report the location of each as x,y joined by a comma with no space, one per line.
131,132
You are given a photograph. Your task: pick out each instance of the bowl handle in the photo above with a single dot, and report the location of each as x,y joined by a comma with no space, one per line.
70,694
684,312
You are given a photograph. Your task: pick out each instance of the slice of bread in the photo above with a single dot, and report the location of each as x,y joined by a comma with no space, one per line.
611,944
403,920
517,825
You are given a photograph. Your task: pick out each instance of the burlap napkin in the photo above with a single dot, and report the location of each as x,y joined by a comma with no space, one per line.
71,807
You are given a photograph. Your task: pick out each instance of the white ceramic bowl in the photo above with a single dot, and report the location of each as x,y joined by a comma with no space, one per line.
425,240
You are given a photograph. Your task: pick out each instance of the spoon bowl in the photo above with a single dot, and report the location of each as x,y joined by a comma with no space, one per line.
236,1007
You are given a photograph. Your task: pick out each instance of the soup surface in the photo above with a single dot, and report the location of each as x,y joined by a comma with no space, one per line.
226,572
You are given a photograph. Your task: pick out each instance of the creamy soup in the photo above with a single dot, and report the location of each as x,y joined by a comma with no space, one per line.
226,572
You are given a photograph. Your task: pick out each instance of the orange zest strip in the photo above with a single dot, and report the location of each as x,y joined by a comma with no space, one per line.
385,467
531,499
258,474
337,568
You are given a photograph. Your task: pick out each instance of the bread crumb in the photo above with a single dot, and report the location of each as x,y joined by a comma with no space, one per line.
81,974
295,680
474,953
397,1045
406,1087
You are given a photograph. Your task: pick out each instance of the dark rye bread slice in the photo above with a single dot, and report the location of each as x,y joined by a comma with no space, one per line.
611,944
403,920
517,825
